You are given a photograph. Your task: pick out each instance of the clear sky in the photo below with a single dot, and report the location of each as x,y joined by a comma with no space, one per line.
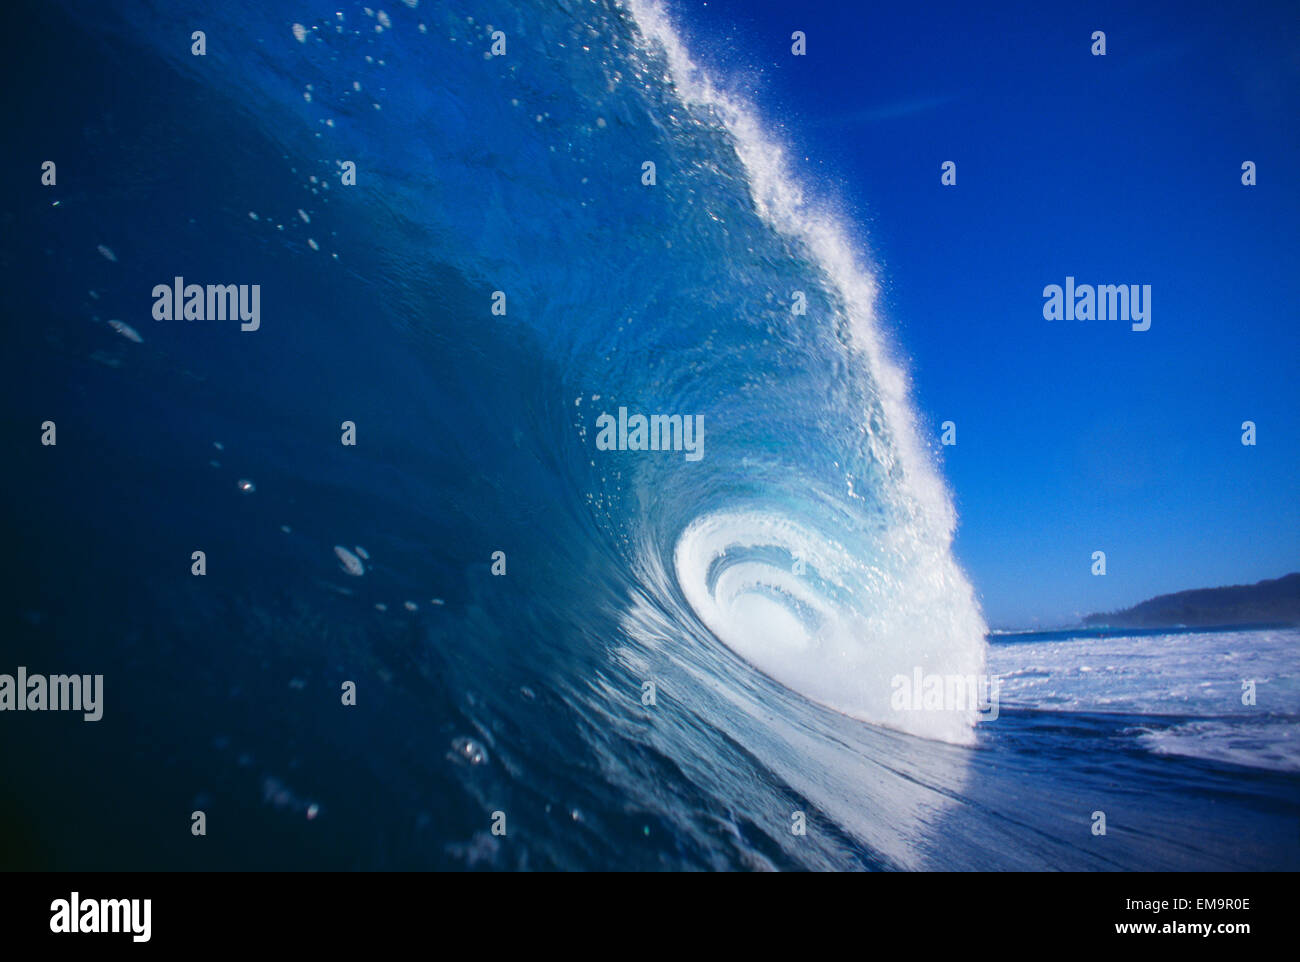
1072,436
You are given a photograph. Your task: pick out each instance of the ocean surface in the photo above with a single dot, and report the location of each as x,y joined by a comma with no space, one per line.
639,660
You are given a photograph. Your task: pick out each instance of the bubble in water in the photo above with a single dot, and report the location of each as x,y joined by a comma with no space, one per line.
127,331
470,750
350,562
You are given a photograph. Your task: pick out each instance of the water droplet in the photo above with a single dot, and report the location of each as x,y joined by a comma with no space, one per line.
350,562
127,331
470,750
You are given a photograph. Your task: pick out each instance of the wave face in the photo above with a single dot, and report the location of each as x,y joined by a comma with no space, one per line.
676,659
525,177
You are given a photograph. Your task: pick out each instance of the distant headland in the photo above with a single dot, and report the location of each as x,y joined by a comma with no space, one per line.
1276,601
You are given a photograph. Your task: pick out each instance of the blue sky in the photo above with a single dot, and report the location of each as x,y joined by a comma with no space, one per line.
1072,436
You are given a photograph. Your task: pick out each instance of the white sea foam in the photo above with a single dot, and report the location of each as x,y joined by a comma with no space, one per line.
1227,696
1180,674
838,630
1273,745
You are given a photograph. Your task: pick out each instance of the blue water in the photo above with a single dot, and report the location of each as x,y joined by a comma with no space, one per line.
770,591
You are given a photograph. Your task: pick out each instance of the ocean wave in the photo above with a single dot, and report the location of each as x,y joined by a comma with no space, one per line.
1270,744
764,597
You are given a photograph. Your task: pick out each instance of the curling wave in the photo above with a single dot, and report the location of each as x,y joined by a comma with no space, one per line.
833,596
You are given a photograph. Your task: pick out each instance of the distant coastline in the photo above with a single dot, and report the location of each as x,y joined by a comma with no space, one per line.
1271,602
